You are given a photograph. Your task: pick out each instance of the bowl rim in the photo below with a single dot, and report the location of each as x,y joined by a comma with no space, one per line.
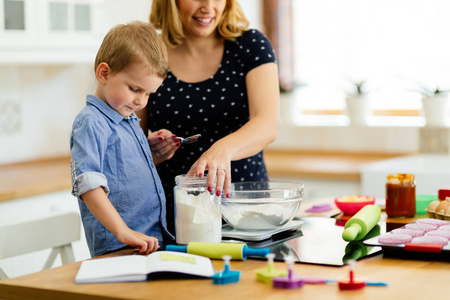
292,185
369,199
259,201
298,185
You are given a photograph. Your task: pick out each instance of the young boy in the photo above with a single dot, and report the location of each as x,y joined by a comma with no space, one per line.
120,194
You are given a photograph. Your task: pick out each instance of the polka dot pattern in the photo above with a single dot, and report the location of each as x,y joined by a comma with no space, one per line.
214,108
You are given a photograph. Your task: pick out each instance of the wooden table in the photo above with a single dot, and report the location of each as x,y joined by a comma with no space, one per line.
408,279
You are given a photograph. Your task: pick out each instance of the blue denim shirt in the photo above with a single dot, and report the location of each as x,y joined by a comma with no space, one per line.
112,152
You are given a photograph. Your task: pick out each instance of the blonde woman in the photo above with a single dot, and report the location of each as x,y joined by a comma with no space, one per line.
223,84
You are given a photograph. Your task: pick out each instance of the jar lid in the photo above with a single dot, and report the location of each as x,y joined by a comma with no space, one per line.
443,193
190,181
400,177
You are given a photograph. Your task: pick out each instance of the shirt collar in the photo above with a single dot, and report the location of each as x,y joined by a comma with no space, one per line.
111,113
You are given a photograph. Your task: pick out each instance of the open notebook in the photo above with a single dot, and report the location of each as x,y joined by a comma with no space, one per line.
139,267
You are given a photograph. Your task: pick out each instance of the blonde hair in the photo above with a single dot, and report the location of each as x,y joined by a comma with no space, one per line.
165,16
136,42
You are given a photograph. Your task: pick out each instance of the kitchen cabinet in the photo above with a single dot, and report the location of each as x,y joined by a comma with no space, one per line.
49,31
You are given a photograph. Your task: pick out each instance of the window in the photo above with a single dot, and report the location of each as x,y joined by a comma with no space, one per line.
396,47
59,13
50,31
73,17
14,15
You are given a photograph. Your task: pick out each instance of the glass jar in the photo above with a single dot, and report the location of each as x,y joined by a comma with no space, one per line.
400,195
198,216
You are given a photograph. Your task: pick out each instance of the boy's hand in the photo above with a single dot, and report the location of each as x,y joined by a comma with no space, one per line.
162,149
144,243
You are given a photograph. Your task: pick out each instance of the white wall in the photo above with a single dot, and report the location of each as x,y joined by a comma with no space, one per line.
43,100
46,98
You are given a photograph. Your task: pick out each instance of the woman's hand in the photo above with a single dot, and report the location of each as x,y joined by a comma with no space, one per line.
162,149
217,160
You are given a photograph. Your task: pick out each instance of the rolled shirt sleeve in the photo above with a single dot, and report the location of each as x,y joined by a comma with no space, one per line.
87,148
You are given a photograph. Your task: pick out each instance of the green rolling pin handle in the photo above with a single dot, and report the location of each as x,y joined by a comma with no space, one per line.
357,227
350,233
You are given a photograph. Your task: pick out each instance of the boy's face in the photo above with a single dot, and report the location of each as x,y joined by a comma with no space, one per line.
128,90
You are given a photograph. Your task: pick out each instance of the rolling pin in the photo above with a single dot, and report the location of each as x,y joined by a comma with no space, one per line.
237,251
361,223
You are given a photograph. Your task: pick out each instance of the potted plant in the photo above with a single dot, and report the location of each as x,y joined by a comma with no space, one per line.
358,109
435,106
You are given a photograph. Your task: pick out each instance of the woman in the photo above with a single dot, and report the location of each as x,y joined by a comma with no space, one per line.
223,84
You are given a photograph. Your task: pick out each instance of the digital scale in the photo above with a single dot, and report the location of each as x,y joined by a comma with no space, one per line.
306,240
258,235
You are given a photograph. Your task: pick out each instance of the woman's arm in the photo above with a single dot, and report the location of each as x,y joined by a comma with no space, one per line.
255,135
100,206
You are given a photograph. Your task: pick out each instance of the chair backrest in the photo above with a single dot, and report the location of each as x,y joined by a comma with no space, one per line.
38,234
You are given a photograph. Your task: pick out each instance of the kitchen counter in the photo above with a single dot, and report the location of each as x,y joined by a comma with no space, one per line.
325,165
33,178
431,172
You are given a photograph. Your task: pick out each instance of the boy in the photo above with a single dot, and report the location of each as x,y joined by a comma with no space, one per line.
120,195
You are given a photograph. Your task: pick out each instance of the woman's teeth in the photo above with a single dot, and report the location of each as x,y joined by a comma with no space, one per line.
203,20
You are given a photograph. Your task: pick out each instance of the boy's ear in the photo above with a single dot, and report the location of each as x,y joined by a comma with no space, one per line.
102,73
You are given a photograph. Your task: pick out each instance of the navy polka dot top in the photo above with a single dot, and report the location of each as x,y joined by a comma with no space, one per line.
214,108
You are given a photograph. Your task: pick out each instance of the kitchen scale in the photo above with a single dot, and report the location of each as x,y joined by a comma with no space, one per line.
308,240
257,235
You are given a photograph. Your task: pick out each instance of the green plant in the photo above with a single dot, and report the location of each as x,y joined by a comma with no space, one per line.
430,93
358,89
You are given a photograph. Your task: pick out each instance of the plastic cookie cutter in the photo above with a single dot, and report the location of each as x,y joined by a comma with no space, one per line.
291,281
226,275
353,283
266,274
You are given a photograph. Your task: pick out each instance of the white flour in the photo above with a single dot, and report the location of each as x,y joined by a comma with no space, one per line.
261,216
198,217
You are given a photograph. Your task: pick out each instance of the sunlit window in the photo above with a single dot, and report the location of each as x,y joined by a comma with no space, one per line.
67,16
14,12
395,46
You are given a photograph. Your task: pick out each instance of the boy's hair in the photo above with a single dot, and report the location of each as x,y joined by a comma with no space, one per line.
165,16
136,42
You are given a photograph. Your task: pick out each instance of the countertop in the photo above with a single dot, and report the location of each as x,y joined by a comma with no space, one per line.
431,171
33,178
326,165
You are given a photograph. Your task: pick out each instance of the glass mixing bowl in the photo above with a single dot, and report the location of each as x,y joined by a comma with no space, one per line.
261,205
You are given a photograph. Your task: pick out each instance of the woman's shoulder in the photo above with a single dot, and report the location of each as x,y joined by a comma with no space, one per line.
255,41
256,48
252,35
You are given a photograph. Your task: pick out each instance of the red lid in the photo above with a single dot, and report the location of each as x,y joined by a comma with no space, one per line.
443,193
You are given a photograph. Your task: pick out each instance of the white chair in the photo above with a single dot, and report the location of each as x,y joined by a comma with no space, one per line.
55,231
